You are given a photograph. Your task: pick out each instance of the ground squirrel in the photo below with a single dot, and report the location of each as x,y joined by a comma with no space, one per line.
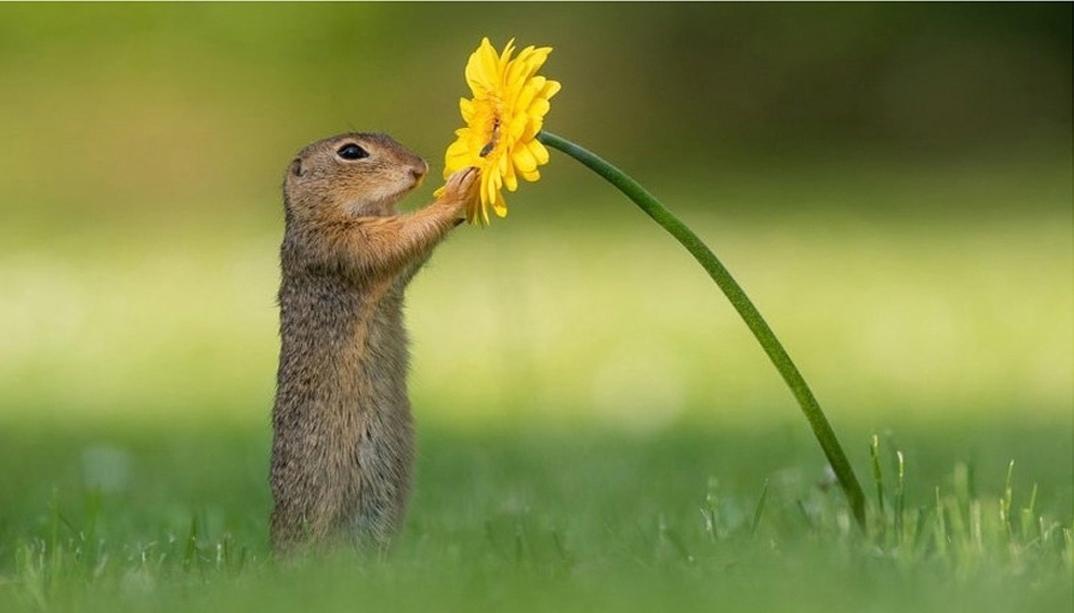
342,436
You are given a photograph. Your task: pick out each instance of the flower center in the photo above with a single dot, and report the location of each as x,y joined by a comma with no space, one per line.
490,118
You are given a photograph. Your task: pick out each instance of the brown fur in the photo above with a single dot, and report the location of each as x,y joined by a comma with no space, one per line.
342,435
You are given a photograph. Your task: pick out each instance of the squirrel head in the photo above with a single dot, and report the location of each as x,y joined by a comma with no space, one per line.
359,173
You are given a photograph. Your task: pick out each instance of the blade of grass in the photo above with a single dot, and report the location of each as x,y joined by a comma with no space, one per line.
190,547
1029,520
900,497
878,477
1007,502
759,509
941,526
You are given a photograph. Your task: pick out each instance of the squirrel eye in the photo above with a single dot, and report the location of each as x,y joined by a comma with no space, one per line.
351,151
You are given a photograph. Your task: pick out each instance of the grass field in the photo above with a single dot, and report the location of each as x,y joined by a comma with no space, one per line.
173,519
593,435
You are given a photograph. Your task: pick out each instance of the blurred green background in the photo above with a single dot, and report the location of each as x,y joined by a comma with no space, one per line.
890,183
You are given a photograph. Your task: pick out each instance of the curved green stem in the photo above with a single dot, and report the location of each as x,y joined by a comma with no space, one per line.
749,313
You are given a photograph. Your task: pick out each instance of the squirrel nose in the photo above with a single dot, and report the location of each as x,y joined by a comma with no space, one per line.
419,171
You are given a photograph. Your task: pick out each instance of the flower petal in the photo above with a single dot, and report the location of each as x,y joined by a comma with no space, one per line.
536,60
457,147
466,108
524,160
505,57
533,126
529,92
517,69
550,89
500,205
454,164
473,210
490,64
539,152
474,76
507,169
482,70
490,187
517,126
539,108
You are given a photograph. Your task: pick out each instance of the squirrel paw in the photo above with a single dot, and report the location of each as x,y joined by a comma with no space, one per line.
462,186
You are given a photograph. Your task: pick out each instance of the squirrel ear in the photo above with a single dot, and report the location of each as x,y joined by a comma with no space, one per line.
296,167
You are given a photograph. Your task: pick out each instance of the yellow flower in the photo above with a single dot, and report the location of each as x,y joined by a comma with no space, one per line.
502,121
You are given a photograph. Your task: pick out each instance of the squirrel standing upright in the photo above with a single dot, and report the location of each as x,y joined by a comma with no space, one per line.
342,446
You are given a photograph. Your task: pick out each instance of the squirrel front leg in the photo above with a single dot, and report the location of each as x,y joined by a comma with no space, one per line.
384,246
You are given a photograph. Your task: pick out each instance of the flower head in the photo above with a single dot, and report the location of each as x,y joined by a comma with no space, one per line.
502,121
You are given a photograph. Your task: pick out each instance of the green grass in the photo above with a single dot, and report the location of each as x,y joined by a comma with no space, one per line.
597,428
155,517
